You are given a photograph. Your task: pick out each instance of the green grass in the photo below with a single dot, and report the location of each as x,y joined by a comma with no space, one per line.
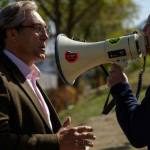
92,105
86,108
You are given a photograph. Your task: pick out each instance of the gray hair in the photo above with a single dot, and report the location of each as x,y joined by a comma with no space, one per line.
12,16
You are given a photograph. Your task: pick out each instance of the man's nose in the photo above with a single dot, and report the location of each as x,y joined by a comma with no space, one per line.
45,36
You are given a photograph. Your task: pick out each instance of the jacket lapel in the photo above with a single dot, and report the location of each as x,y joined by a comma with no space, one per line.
53,115
24,86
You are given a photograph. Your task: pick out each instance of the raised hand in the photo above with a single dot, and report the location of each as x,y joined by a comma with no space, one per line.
75,138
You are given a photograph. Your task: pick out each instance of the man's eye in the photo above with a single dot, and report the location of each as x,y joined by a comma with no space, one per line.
39,27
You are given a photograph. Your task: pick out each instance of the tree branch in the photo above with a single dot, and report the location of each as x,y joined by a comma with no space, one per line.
70,24
83,13
48,13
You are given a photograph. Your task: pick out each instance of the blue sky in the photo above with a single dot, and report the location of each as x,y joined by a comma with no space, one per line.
143,11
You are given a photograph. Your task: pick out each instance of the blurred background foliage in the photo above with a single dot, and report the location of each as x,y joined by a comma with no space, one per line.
92,20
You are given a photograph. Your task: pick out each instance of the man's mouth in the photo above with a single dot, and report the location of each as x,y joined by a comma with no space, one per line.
42,47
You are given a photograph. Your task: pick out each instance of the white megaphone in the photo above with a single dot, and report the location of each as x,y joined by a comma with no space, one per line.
74,57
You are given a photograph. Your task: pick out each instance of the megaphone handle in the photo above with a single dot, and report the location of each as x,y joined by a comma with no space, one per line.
123,64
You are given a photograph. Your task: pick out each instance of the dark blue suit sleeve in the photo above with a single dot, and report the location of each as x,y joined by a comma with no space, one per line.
133,118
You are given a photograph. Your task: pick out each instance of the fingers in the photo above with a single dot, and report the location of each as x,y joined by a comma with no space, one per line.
84,129
114,67
67,122
76,137
87,136
116,76
84,143
111,72
108,82
83,132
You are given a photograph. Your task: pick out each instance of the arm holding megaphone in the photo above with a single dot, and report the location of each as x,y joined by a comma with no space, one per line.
116,74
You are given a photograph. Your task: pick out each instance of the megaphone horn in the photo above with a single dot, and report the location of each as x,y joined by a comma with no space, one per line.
74,57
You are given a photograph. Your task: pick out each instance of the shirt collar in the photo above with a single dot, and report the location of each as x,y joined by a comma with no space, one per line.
29,72
34,74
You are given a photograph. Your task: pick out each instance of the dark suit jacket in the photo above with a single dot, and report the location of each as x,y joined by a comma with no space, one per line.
23,124
134,118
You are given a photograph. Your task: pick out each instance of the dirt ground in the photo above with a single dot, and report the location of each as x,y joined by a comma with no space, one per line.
109,134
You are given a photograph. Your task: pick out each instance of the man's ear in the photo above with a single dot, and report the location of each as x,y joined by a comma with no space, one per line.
12,35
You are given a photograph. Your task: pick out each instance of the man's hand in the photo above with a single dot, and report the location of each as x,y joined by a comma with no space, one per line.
74,138
116,75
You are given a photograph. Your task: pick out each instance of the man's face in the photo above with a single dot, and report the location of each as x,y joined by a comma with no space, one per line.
31,45
146,30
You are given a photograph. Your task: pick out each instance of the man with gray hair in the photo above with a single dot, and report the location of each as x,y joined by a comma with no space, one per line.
28,120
